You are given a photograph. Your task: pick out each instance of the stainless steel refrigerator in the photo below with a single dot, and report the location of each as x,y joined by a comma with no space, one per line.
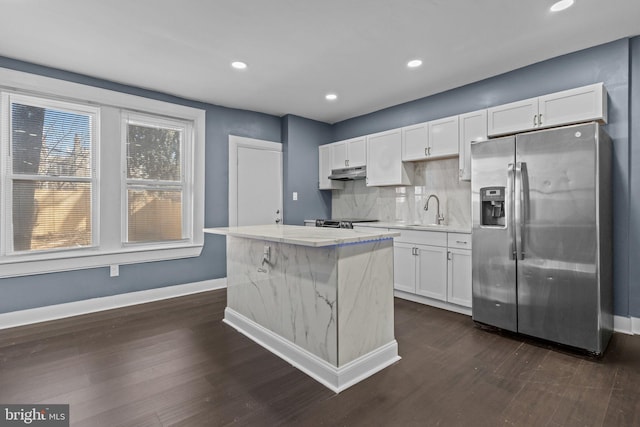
542,235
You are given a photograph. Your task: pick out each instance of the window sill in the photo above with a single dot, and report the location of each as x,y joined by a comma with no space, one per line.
93,258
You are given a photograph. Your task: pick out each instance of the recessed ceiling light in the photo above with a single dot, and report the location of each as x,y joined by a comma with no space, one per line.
331,97
414,63
239,65
561,5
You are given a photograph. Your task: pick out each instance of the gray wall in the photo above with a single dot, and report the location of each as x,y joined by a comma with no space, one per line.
617,64
634,165
56,288
301,138
607,63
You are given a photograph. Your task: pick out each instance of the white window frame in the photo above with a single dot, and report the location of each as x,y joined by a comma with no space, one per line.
8,98
109,248
186,160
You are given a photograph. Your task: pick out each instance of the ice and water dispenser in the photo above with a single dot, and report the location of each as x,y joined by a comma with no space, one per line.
492,205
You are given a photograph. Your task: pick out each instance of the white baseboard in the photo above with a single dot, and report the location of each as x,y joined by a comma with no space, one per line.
332,377
621,324
76,308
626,325
432,302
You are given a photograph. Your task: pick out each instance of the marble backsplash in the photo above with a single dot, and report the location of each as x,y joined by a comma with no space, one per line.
406,204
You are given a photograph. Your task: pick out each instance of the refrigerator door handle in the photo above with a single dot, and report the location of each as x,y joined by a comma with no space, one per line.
522,206
511,224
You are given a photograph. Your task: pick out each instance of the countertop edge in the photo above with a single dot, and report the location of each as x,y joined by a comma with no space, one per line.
310,242
400,226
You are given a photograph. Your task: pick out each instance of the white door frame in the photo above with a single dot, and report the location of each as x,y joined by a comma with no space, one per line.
240,141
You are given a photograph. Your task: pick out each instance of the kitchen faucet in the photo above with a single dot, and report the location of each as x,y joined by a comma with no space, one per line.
439,216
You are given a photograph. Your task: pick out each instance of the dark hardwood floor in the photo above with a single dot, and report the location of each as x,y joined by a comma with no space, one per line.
175,363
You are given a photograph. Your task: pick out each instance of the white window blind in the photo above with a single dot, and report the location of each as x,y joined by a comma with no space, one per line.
155,183
52,174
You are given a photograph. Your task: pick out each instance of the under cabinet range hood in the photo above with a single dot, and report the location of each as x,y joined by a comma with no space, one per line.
349,174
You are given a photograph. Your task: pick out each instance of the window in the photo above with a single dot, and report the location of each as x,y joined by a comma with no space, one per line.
51,178
155,179
91,177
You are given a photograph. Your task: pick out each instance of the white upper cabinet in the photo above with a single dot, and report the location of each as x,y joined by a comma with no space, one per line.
357,151
443,138
473,127
384,160
349,153
513,117
324,170
570,106
436,139
573,106
338,155
415,142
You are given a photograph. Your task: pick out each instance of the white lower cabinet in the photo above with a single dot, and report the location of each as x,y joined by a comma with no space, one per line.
459,277
404,267
420,269
432,272
435,265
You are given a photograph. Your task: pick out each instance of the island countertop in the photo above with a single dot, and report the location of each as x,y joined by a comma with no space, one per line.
303,236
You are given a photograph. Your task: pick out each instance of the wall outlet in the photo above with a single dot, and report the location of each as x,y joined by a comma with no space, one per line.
114,270
295,195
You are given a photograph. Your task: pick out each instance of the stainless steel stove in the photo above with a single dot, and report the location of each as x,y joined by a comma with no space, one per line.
341,223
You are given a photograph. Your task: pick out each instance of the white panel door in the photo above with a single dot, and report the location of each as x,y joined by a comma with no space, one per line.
255,182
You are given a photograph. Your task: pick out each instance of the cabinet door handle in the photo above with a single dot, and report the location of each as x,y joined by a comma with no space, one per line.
429,149
540,119
426,153
535,120
461,242
449,255
346,162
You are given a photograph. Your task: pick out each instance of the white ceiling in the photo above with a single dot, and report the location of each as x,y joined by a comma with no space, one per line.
299,50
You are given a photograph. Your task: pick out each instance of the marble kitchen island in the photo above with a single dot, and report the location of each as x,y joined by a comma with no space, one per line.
320,298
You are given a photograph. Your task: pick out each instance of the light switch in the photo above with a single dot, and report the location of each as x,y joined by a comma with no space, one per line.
295,195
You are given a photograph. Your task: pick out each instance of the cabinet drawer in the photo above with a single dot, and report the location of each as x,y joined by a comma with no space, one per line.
459,240
433,238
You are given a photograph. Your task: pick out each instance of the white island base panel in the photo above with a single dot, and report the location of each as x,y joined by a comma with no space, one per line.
332,377
328,310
